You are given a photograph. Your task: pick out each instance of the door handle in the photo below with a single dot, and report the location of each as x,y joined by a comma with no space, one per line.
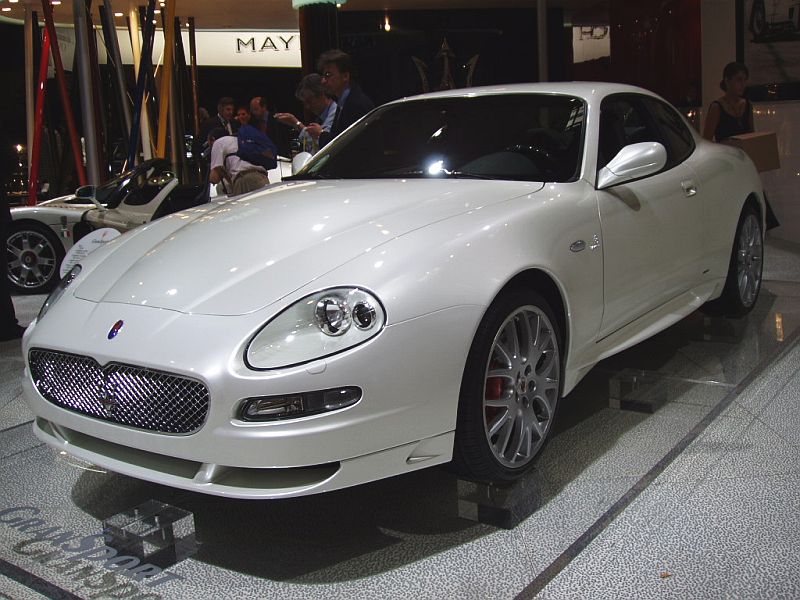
689,188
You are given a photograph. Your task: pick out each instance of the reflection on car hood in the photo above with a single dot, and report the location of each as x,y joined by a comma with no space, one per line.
247,253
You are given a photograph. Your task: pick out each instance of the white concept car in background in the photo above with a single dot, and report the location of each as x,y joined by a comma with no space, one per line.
424,290
42,234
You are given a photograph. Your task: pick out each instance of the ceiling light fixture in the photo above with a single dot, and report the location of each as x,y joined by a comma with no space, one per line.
301,3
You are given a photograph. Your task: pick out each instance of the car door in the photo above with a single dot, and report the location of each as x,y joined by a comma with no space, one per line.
652,227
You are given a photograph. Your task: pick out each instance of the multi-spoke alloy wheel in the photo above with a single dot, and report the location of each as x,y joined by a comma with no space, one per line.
521,388
510,389
743,282
33,260
749,260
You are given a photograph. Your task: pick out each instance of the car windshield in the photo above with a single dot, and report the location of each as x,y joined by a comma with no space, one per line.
526,137
104,193
136,186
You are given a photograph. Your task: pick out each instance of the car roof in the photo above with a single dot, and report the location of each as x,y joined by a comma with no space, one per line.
591,91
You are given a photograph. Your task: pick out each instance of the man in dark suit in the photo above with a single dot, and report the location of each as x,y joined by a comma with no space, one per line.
339,79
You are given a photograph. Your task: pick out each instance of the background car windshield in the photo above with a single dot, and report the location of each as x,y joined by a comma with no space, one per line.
528,137
104,193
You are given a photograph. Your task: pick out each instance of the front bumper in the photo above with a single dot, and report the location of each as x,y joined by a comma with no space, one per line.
410,376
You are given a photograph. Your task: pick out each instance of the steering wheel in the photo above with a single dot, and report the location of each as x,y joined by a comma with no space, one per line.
544,158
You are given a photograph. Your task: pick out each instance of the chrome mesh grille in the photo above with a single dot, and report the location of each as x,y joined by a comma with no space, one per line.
126,394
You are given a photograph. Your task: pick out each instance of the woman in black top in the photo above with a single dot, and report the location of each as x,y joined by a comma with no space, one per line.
731,114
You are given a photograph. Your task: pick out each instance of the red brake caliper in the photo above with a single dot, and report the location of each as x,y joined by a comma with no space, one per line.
493,391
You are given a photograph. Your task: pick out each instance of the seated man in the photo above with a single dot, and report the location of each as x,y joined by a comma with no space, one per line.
236,175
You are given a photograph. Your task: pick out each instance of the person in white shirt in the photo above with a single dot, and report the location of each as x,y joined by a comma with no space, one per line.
236,175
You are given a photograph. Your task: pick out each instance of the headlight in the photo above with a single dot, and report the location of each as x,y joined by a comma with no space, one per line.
319,325
58,291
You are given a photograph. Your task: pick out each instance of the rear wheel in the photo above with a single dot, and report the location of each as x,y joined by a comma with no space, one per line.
510,389
34,256
743,282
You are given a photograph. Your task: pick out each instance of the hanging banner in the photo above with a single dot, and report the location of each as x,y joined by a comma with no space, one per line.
228,48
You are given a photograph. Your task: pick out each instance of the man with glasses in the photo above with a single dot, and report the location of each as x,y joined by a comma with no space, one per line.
316,102
339,79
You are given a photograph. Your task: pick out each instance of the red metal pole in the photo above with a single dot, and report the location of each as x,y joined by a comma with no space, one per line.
33,180
62,85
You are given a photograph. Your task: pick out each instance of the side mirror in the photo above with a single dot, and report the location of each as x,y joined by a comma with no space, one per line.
86,192
633,162
299,161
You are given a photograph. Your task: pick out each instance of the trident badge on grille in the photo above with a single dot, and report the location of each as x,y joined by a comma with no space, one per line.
108,397
112,333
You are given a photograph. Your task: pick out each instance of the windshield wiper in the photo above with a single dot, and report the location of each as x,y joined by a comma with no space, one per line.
307,176
468,175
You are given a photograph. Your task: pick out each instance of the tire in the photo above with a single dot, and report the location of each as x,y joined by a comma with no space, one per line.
743,282
758,20
508,398
34,256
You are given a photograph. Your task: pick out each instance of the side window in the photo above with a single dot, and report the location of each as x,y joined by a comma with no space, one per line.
676,137
623,121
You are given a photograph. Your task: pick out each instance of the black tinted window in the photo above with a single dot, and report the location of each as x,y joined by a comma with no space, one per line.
676,136
530,137
623,121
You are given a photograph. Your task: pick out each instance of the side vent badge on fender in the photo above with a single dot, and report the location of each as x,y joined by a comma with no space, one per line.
577,246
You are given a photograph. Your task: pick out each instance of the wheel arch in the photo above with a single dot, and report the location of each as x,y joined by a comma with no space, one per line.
534,279
758,205
29,223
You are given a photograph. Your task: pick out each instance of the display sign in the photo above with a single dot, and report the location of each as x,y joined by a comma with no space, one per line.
85,246
224,48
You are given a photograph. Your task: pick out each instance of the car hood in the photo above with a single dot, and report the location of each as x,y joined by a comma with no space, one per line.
69,202
244,254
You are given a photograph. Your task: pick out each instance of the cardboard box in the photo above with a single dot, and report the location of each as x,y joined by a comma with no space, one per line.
761,147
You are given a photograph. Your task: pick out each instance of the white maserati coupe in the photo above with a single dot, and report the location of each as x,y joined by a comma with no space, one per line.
423,291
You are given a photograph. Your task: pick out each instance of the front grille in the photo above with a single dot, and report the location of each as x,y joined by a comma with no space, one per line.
119,393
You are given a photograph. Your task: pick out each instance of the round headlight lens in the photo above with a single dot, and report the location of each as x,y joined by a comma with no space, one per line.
364,315
319,325
333,316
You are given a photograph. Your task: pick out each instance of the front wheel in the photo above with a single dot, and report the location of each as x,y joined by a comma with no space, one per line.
34,256
510,389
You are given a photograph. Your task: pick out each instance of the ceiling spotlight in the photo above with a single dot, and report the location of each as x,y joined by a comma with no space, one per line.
55,2
13,1
158,12
6,9
118,14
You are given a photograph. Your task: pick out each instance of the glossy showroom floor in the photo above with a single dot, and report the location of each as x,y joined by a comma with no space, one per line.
690,489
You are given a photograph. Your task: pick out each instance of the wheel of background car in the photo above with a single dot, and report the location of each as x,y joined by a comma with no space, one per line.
34,255
743,282
510,389
758,19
